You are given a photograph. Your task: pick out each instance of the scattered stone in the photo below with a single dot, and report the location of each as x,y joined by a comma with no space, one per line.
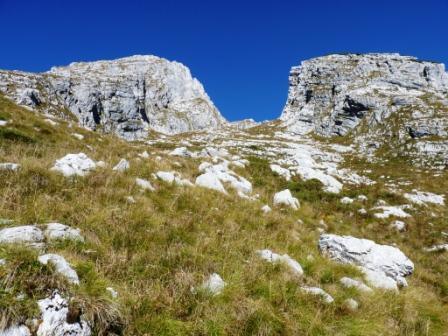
78,136
225,175
388,211
3,122
144,155
122,166
327,298
347,200
55,311
362,211
27,234
398,226
272,257
2,262
57,231
74,164
283,172
437,248
351,305
101,164
9,166
210,181
61,265
130,199
331,184
285,198
182,152
378,262
352,283
173,177
214,284
266,208
112,292
421,198
144,184
51,122
362,198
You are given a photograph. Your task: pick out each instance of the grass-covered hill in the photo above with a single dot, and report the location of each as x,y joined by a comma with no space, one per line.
156,248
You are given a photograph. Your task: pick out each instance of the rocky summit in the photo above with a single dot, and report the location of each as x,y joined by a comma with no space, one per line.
376,100
129,206
128,96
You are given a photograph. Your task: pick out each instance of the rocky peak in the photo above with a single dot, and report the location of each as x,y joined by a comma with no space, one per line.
127,96
371,96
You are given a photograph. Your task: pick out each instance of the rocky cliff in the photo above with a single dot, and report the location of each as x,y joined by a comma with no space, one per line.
371,98
127,96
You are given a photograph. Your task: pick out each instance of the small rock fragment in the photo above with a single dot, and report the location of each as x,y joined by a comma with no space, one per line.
327,298
122,166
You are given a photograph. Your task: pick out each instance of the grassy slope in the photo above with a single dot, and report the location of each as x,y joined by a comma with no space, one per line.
154,251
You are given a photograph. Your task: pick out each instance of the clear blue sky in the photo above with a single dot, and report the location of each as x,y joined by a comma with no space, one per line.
240,50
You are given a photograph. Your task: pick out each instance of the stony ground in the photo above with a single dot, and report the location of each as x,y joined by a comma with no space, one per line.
184,236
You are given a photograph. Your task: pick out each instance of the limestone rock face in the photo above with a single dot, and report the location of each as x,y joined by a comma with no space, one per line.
384,266
127,96
373,96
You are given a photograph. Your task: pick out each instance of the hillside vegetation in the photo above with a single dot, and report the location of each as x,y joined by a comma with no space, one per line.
157,251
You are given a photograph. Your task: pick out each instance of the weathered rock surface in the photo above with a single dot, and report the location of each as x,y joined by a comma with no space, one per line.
214,284
285,197
384,266
327,298
27,234
55,321
374,96
61,266
272,257
58,231
74,164
20,330
126,96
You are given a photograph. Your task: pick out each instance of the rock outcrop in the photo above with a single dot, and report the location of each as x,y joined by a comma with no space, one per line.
373,96
384,266
127,96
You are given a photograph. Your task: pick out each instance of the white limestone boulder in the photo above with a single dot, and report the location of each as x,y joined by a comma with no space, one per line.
78,136
266,208
353,283
346,200
384,266
326,298
283,172
9,166
350,305
272,257
74,164
61,266
214,284
210,181
26,234
389,210
58,231
285,198
144,184
122,166
173,178
181,151
422,198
